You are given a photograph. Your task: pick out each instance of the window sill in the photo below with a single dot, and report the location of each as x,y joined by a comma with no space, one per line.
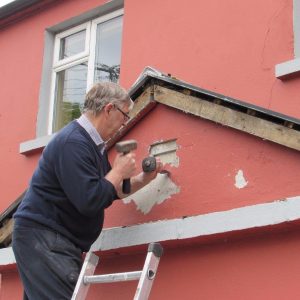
288,68
35,145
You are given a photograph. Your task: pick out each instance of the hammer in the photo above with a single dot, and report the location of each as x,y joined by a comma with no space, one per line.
149,165
125,147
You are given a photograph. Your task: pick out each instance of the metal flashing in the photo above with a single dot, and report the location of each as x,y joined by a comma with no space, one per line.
15,6
150,76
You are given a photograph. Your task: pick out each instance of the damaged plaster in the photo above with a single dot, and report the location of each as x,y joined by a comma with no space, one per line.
240,181
162,187
156,192
166,151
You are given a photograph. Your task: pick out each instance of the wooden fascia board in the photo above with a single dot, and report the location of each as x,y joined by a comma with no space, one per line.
178,85
215,112
6,232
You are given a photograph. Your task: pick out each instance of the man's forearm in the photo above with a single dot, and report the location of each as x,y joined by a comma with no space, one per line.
137,182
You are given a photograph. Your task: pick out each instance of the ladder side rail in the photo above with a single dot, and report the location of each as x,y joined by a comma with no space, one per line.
88,268
149,272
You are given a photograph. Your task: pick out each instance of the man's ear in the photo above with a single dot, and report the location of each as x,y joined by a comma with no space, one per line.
107,108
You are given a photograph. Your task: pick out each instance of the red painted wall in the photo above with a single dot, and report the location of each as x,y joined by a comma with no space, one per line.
210,156
21,48
230,47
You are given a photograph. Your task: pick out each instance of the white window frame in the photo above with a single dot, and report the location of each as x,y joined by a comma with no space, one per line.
59,62
88,55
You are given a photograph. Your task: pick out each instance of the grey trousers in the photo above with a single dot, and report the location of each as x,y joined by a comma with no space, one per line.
48,263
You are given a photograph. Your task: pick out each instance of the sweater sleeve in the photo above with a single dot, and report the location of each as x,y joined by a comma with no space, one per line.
79,177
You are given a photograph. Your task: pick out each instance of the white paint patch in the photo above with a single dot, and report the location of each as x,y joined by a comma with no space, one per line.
156,192
240,181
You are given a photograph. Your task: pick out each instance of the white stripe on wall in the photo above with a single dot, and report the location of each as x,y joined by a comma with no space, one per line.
243,218
254,216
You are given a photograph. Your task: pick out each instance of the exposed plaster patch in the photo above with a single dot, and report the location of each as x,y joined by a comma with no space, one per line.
240,181
156,192
166,151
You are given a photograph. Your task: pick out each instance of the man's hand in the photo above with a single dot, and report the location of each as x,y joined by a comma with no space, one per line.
142,179
149,176
124,166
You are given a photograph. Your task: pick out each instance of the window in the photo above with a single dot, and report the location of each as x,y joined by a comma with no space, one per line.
84,54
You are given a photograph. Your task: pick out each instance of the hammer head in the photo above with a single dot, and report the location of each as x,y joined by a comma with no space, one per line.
126,146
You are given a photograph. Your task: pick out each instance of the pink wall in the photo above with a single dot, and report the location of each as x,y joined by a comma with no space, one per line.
22,46
230,48
210,156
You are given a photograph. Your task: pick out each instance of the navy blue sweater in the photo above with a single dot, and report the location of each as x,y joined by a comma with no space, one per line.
68,192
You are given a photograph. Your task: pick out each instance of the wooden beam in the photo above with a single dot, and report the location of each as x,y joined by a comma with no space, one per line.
226,116
6,232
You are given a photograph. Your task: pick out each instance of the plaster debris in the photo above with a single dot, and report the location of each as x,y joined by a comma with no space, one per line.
166,151
156,192
240,181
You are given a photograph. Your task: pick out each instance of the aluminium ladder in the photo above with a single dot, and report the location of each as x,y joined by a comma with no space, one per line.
145,276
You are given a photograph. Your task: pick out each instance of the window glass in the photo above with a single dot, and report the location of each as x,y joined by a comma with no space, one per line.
87,53
72,44
108,50
69,95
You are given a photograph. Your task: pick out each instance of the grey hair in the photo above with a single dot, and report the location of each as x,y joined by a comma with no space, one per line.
103,93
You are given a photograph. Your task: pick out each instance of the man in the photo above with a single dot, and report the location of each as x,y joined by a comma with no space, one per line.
62,212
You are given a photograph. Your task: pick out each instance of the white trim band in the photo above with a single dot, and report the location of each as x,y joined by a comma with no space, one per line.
254,216
287,68
35,144
247,217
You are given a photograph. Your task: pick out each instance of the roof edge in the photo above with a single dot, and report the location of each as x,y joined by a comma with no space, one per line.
20,9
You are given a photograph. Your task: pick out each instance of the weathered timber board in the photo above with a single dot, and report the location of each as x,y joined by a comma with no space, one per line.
226,116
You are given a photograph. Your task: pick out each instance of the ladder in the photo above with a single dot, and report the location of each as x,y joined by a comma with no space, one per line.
145,276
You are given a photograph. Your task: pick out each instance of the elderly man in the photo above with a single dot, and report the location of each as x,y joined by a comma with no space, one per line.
62,212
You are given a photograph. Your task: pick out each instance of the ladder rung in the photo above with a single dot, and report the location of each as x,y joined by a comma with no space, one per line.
126,276
144,276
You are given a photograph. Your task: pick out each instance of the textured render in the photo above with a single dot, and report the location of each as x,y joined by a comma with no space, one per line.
159,190
162,187
166,151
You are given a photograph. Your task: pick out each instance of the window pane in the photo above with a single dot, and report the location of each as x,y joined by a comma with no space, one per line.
72,44
70,94
108,50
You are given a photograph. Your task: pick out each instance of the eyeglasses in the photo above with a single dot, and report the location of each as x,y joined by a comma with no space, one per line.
126,116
